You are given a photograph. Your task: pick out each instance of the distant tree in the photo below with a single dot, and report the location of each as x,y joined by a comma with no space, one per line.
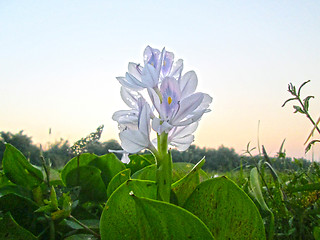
21,142
101,148
222,159
58,153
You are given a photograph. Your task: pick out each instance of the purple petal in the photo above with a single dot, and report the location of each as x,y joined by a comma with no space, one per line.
144,120
182,144
187,106
130,97
160,126
155,100
130,82
135,70
151,56
133,141
171,95
150,77
176,69
181,132
206,102
188,84
167,63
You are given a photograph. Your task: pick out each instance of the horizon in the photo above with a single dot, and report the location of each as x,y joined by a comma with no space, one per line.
60,62
46,146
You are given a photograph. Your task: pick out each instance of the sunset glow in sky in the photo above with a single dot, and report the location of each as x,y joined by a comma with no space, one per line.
59,61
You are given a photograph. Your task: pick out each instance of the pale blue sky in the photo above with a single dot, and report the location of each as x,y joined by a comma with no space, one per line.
59,60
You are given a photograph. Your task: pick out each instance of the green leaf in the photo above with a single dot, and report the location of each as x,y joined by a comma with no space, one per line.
150,158
81,237
186,185
89,179
19,170
179,170
109,165
290,99
302,86
138,162
310,144
147,173
10,229
22,209
90,223
4,180
298,109
226,210
53,198
161,220
119,218
81,160
55,178
316,233
16,189
306,102
257,194
256,189
307,187
117,180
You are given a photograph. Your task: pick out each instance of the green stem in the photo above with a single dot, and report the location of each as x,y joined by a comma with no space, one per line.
85,226
51,229
307,114
164,169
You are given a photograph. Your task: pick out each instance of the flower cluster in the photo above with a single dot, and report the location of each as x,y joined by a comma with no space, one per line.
162,99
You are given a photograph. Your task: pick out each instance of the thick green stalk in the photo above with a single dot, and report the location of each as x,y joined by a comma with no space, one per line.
164,169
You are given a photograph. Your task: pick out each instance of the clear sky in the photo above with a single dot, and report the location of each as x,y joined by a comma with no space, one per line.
59,60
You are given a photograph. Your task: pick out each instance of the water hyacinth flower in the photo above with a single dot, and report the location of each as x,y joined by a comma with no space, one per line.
159,98
157,66
177,103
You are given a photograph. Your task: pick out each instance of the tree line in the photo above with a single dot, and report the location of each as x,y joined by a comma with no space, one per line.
222,159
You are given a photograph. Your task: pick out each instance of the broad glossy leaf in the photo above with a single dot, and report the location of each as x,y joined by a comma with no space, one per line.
226,210
186,185
119,219
81,237
117,180
16,189
22,209
19,170
81,160
147,173
90,223
4,180
55,178
138,162
160,220
179,170
150,158
10,229
316,233
89,179
109,165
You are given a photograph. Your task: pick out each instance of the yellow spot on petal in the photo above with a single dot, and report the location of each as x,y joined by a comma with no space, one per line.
164,63
169,100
